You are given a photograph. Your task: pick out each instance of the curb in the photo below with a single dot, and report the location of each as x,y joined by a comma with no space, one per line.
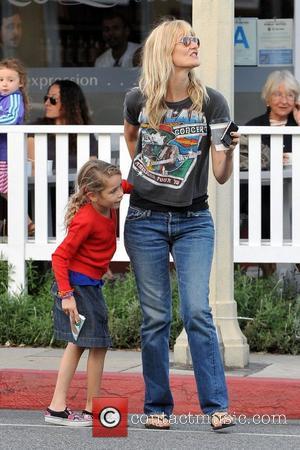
33,389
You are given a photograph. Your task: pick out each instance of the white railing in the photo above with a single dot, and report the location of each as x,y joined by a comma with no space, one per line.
18,247
284,242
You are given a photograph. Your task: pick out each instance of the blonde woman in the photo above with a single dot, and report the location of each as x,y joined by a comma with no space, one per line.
171,122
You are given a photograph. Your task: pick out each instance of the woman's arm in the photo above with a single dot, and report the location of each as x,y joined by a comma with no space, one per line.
222,161
30,152
131,136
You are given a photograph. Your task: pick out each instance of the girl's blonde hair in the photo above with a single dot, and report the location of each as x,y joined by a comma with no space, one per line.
92,177
17,66
157,67
275,79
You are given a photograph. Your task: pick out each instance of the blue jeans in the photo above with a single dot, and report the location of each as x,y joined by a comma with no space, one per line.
149,238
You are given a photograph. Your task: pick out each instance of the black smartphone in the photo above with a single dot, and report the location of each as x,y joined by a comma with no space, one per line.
226,139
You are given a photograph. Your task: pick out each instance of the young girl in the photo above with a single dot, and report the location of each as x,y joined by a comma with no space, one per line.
14,106
79,263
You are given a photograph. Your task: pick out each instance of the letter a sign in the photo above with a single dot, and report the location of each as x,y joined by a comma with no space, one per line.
245,41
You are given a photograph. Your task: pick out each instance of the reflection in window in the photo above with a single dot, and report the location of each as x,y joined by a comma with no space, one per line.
97,47
75,34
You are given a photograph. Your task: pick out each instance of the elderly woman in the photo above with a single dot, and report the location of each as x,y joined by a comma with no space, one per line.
65,104
281,95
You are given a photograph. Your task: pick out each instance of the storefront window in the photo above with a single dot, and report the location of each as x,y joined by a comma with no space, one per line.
264,9
95,43
271,52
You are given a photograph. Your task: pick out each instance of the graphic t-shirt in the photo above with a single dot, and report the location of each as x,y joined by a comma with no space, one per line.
170,166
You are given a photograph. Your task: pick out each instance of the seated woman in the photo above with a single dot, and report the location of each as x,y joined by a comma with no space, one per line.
281,95
65,104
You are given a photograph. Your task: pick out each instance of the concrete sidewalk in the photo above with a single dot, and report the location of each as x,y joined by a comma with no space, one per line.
127,361
269,385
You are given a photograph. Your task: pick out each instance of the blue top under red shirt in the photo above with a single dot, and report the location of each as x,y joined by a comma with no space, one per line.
89,245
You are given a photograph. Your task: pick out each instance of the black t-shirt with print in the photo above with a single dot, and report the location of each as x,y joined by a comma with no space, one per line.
170,167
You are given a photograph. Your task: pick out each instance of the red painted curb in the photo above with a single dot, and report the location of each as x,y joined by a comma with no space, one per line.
33,389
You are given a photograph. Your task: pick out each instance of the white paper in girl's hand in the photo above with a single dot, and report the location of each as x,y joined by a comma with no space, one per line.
76,327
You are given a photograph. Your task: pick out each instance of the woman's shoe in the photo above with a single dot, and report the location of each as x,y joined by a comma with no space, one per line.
157,422
220,420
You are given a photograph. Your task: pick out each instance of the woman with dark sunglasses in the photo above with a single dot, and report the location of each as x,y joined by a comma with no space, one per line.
171,122
64,104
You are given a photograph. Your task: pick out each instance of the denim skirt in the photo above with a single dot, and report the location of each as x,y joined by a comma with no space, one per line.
91,304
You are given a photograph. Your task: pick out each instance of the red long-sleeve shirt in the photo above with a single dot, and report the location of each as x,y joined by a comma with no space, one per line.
88,247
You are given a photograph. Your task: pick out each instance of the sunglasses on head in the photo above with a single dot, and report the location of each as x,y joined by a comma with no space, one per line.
52,100
187,40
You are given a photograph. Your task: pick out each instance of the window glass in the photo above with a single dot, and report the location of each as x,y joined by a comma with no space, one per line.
264,9
92,42
249,80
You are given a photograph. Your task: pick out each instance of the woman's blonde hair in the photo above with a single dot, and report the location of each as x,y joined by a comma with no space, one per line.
17,66
92,177
275,79
157,67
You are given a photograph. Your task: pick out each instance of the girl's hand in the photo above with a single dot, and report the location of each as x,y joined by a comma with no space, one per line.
108,275
69,307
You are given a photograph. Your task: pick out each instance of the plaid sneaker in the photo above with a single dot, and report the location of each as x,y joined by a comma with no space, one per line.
67,418
87,415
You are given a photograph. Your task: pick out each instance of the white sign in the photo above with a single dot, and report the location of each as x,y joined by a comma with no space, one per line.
275,42
245,41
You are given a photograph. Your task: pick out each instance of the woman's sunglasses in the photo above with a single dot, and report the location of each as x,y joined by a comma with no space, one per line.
52,100
187,40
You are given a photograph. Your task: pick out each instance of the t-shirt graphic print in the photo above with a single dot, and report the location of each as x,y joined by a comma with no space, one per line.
169,154
170,166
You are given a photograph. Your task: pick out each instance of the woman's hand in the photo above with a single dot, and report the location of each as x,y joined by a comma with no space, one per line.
222,161
235,140
31,154
69,307
296,112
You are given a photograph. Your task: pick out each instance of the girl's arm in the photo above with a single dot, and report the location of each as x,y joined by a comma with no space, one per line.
78,232
11,105
127,187
222,162
131,133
